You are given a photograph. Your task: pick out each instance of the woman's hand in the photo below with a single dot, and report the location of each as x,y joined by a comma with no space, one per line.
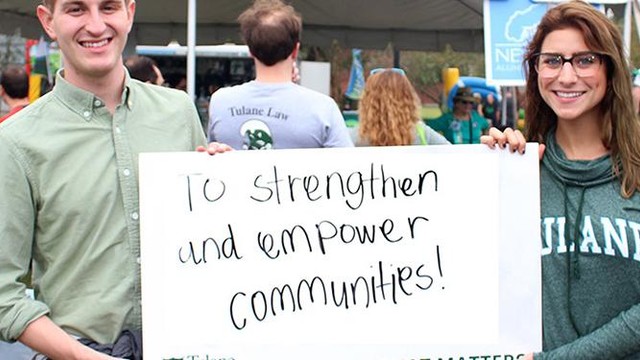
514,138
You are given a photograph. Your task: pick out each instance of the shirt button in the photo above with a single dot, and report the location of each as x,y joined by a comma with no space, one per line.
126,172
97,103
118,130
138,260
134,215
86,114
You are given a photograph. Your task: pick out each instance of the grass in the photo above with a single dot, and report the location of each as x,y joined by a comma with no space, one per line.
431,111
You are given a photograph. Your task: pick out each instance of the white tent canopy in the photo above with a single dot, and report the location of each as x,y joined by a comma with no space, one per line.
369,24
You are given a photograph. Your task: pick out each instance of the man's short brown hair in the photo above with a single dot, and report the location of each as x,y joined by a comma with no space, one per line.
142,68
15,82
271,29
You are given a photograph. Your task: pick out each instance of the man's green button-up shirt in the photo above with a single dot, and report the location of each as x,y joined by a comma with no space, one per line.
68,179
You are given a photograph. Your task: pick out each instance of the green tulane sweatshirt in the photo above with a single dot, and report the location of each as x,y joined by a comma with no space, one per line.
590,260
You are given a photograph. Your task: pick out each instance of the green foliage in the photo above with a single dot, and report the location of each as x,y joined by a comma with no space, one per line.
424,69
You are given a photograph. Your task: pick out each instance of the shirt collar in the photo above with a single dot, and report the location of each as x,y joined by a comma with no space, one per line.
127,99
83,102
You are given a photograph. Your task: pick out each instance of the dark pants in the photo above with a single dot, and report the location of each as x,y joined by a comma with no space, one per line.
127,346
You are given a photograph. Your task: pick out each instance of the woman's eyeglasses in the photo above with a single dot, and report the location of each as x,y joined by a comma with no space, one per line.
395,70
585,64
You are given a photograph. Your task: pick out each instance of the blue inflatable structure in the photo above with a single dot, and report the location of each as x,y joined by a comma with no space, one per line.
477,84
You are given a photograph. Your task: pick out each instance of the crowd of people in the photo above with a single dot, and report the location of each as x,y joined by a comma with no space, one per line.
69,168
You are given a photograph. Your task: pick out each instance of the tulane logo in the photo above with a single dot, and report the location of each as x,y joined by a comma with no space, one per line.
256,135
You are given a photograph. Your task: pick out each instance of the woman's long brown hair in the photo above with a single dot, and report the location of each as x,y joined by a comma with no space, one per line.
620,125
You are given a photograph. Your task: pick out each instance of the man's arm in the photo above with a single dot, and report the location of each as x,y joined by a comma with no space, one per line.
21,316
45,337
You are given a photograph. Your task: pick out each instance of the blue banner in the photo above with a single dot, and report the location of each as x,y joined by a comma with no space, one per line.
508,27
356,78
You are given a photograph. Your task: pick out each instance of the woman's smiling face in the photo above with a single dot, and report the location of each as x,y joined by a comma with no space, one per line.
570,96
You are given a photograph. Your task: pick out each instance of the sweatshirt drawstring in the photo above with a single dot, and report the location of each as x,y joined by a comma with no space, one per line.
573,262
577,236
573,239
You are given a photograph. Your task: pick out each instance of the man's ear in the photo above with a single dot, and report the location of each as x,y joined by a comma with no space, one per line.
45,16
131,11
296,50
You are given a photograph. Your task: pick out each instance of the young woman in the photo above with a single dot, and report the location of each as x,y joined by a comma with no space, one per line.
579,106
390,113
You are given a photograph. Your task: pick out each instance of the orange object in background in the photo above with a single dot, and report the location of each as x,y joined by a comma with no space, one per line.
450,77
35,86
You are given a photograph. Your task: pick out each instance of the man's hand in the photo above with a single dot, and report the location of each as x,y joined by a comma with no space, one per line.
214,148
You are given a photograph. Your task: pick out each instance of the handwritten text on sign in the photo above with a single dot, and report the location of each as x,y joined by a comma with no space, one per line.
334,246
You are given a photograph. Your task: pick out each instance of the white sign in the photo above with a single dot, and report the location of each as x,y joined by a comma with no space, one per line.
365,253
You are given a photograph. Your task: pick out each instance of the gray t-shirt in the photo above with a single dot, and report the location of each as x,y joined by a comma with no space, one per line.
258,115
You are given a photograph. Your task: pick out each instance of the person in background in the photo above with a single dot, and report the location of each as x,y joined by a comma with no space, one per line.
478,99
579,107
14,89
490,109
636,92
145,69
273,112
70,205
463,125
181,83
390,113
510,109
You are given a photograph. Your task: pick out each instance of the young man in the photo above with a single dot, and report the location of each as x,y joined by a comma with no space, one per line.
68,164
14,89
272,111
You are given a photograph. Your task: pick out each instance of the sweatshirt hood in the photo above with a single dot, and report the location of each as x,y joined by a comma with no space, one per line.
575,173
579,175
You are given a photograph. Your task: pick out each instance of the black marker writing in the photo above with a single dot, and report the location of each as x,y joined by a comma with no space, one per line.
298,238
354,187
387,283
220,249
212,189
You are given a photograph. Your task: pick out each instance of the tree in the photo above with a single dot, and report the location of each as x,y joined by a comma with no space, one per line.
424,69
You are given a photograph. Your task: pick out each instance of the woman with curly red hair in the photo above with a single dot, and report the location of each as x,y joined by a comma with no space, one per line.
389,113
